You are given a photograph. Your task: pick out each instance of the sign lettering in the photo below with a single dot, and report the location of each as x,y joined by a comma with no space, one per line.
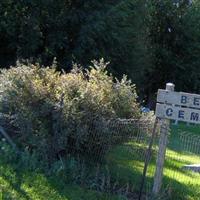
183,99
178,106
179,98
178,113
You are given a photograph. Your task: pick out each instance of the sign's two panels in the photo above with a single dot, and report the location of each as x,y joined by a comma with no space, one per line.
178,106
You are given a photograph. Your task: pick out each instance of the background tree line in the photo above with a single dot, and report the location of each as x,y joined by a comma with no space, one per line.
153,41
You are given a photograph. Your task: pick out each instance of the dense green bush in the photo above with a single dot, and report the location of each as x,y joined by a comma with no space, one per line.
66,112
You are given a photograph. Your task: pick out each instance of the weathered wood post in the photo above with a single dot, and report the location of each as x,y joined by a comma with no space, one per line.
162,149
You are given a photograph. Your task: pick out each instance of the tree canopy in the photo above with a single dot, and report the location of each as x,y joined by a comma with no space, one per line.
151,41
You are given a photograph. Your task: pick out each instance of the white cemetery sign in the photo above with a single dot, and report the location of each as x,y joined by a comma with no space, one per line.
178,106
172,105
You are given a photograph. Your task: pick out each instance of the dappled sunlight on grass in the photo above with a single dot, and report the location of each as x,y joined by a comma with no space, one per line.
124,164
26,185
127,161
174,167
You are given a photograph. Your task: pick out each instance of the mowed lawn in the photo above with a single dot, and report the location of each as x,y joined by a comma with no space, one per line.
125,165
178,184
26,185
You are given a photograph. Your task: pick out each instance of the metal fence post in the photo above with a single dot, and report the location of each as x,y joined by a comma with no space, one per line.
148,158
162,149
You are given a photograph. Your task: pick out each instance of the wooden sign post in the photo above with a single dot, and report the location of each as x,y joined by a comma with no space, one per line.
162,148
178,106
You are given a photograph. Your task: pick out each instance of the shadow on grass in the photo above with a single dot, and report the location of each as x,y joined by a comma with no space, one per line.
11,180
179,191
15,184
125,165
131,167
26,185
16,179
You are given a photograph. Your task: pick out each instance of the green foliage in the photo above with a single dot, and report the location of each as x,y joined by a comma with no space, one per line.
78,31
68,112
190,50
174,29
143,39
119,33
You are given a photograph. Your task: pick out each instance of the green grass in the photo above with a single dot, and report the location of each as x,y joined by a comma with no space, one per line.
26,185
125,163
182,127
183,184
180,184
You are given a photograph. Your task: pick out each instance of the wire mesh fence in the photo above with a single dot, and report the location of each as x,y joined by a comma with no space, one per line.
113,159
116,165
182,164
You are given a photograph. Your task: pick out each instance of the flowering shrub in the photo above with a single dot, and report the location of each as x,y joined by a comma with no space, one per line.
65,112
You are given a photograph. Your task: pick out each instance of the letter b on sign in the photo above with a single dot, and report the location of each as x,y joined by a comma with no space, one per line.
183,99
